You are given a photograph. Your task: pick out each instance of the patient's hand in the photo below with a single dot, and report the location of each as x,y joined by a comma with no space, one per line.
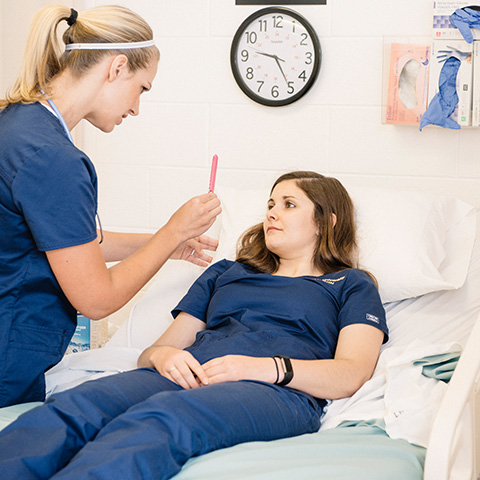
175,364
240,367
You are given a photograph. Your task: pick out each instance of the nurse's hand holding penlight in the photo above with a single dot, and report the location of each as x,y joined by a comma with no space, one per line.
187,226
196,216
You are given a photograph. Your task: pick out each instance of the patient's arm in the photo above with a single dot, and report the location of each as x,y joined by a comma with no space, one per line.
167,356
355,358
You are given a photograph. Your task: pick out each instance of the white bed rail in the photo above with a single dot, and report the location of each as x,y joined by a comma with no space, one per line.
451,448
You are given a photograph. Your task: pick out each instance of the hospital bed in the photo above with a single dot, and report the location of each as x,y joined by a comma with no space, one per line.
416,417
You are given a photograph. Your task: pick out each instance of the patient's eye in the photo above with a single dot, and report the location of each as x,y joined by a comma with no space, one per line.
289,204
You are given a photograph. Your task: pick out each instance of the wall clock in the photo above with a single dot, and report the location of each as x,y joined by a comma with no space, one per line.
275,56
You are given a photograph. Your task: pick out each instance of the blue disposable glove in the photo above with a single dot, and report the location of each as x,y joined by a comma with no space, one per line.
443,55
464,19
444,102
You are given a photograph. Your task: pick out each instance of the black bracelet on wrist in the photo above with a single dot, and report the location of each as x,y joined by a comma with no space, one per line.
286,364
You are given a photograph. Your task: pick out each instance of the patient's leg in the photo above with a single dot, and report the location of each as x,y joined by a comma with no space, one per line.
44,439
154,439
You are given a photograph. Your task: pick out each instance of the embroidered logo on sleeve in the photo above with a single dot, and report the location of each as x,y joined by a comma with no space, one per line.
372,318
332,281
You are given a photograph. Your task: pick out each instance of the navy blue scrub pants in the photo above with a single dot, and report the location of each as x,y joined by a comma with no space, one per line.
139,425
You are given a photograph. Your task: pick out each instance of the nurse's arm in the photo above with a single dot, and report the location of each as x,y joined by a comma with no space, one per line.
117,246
97,291
167,356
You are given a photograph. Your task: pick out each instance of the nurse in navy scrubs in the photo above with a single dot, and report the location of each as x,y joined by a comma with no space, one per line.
52,258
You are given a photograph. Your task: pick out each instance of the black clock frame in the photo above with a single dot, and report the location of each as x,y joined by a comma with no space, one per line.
316,65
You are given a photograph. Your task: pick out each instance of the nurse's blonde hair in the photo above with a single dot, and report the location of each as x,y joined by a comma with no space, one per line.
45,55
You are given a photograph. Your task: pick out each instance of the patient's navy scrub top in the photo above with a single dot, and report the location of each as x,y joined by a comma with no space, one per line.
259,314
48,200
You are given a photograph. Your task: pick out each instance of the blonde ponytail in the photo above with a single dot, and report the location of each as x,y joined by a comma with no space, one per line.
45,55
41,59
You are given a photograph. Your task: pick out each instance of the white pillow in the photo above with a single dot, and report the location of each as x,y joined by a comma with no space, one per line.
412,242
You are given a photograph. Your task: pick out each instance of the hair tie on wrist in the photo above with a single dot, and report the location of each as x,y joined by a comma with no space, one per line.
278,373
72,18
287,370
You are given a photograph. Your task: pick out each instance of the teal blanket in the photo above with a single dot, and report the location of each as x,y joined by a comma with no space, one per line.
440,366
360,451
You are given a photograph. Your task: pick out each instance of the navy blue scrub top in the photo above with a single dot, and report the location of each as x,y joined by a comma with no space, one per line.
259,314
48,201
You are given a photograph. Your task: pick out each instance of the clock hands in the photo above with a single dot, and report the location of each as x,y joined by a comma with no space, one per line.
277,59
280,67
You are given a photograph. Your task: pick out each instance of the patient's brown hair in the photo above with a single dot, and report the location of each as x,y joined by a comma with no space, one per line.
336,248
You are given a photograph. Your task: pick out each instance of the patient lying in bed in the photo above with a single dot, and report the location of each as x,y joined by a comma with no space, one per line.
255,348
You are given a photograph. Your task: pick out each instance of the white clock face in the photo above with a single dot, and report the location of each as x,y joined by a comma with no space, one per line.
275,56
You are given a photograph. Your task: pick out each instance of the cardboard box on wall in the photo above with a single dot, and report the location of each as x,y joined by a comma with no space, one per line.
407,94
442,28
441,51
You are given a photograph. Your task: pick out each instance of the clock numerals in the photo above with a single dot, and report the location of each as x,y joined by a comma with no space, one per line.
251,37
277,21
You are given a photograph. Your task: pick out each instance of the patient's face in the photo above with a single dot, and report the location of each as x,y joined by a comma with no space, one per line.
290,230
